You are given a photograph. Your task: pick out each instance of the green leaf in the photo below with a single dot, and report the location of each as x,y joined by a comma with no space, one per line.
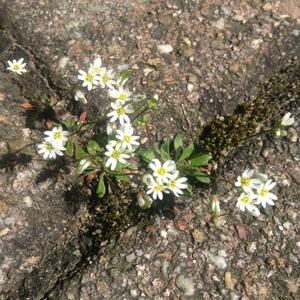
187,152
202,177
165,151
152,104
200,160
79,152
45,99
178,143
123,77
93,147
70,124
147,155
101,189
70,148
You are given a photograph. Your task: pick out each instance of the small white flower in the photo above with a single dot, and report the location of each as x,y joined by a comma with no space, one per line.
176,185
247,201
17,66
215,206
263,194
116,154
79,96
48,150
120,113
96,66
83,165
127,138
89,79
121,95
157,189
163,173
246,181
107,78
57,136
287,120
147,179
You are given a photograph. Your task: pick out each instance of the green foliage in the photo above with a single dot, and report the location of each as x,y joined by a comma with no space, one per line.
70,148
79,152
187,152
93,147
101,188
152,104
147,155
123,77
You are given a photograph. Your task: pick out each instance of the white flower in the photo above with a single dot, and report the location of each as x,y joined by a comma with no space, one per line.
163,173
96,67
83,165
176,185
127,138
115,155
120,113
57,136
215,205
157,189
263,194
287,120
17,66
48,150
247,201
107,78
79,96
121,95
147,179
246,181
89,79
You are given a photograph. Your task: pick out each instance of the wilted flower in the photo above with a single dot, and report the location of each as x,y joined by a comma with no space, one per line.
215,205
144,200
17,66
287,120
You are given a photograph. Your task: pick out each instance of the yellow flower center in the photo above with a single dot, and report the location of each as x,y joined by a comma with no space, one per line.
120,111
161,171
127,138
49,147
89,77
56,135
105,78
122,97
245,181
172,184
245,200
16,67
159,188
116,154
263,192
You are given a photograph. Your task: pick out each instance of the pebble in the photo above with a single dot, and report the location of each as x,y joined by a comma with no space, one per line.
130,257
256,43
28,201
3,277
190,87
198,236
287,225
186,285
267,7
133,293
4,231
165,48
218,261
220,24
229,283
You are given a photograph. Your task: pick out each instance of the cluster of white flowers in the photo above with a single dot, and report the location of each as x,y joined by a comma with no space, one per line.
17,66
256,190
164,178
53,143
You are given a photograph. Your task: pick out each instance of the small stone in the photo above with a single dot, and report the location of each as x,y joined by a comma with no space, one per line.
187,51
165,48
190,87
163,234
298,244
134,293
147,71
234,68
62,62
256,43
130,258
198,236
287,225
28,201
242,231
3,277
267,7
226,10
4,231
220,24
222,253
296,32
229,283
218,261
238,18
185,284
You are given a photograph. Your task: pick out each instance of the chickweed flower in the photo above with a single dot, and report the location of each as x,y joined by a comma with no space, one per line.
157,189
89,79
246,181
96,67
126,137
247,201
79,96
263,194
147,179
176,185
163,173
287,120
115,154
49,150
57,136
107,78
121,95
17,67
120,113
